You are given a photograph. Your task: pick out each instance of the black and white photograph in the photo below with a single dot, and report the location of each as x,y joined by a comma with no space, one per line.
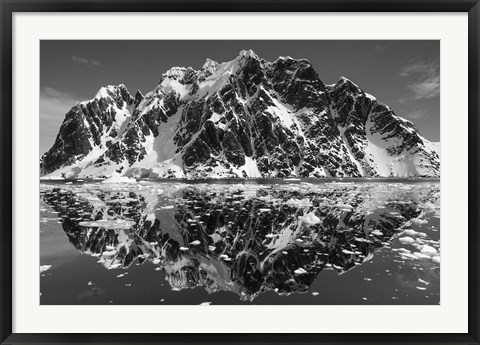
225,172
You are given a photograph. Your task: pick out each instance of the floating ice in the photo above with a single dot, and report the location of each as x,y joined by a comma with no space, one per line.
423,281
299,271
298,203
406,240
109,224
167,207
418,221
414,233
315,293
420,255
183,248
195,243
119,179
44,268
408,255
426,249
224,257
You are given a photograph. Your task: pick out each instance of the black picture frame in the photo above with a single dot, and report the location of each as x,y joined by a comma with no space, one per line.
8,7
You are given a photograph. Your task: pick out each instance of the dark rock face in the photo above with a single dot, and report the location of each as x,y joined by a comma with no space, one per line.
246,117
138,98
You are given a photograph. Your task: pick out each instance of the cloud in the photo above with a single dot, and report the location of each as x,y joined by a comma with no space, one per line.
85,61
428,88
416,115
54,105
424,78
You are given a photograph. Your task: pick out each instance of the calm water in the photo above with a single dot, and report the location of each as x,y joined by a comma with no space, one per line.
241,242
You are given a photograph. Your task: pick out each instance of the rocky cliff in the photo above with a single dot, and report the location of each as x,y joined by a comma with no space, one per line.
244,118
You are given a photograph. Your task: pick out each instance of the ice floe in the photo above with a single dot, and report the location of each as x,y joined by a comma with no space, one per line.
109,223
45,268
406,240
413,233
299,271
119,179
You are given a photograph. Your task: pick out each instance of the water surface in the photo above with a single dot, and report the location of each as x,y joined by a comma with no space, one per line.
240,242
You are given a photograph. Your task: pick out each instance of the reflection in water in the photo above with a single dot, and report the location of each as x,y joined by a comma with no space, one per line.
238,237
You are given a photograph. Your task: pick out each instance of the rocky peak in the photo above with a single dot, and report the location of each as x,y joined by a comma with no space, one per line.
344,84
138,98
248,54
184,75
209,66
114,93
175,72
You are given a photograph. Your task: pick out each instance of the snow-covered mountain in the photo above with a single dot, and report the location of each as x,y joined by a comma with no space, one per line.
244,118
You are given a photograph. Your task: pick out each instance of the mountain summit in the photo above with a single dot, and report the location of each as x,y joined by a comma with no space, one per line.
244,118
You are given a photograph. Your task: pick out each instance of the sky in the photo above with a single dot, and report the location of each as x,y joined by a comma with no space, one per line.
404,74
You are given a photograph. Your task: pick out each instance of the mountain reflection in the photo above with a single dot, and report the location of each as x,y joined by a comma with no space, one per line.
242,238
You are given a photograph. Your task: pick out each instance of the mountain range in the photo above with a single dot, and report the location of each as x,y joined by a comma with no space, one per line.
244,118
